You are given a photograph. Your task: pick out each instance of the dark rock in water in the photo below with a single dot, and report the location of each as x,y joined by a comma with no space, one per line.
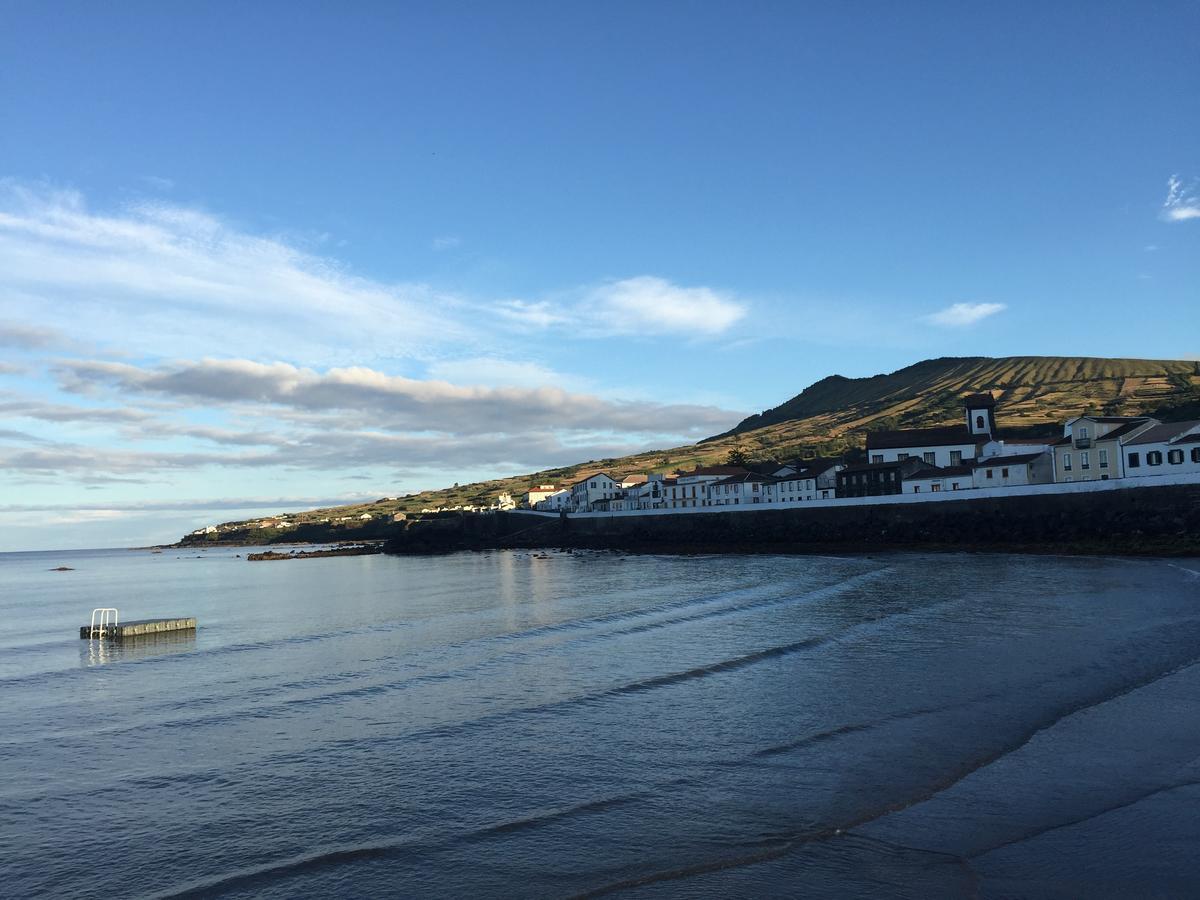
62,569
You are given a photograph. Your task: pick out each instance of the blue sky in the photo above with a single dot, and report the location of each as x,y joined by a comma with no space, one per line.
259,256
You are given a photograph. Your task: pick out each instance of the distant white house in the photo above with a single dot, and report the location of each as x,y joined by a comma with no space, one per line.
935,479
736,490
804,480
591,488
1013,469
537,494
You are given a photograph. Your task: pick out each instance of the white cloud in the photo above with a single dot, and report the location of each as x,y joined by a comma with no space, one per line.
446,242
647,304
961,315
168,280
1183,201
642,306
161,280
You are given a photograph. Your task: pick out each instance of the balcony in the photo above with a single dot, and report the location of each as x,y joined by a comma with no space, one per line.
1082,443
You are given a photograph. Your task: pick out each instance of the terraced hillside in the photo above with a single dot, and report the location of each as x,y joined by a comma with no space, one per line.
831,416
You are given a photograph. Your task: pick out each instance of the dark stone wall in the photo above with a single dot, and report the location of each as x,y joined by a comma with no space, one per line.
1158,520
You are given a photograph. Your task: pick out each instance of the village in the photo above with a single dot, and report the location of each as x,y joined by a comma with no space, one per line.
921,462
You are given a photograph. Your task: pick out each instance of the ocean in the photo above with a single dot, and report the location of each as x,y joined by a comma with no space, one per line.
518,724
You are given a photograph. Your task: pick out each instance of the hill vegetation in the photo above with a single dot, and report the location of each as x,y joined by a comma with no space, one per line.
1034,395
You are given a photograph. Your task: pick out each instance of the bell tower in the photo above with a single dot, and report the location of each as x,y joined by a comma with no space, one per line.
981,415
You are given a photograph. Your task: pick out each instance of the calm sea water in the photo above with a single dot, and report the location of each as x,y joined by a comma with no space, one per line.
510,725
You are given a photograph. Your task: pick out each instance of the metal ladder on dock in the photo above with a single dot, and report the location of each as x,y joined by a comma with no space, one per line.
101,621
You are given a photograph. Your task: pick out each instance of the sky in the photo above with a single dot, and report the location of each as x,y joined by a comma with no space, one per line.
260,257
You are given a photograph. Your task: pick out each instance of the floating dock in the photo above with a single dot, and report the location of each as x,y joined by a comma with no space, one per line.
137,628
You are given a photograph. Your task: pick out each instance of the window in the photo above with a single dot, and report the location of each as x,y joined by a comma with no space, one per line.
592,484
956,457
916,489
1085,460
1083,434
1004,473
935,487
1154,458
991,473
1104,459
1175,457
876,457
929,457
979,422
1134,461
954,485
1196,454
1066,462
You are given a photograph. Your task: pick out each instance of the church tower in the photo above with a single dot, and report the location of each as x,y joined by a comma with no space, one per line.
981,415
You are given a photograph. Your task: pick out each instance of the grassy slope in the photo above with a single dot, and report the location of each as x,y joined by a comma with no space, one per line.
830,416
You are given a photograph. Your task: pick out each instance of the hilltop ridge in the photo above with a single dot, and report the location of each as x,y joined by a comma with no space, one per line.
1045,388
1034,394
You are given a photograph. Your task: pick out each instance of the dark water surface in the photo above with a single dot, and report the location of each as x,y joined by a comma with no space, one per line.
503,725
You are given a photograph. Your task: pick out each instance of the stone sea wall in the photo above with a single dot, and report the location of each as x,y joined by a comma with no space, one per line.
1143,520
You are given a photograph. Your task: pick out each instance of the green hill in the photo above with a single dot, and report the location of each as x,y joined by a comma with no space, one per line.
1034,394
1036,389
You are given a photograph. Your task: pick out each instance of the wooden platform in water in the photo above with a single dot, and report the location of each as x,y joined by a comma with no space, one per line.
139,628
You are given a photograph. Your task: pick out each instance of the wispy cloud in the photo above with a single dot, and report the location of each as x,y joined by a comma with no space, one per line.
962,315
157,279
1183,200
61,412
28,337
446,242
158,183
497,372
170,280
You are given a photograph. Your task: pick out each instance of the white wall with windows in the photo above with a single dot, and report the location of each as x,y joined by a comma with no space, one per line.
1163,458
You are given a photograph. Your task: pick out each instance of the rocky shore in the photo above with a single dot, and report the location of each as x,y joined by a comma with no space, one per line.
357,550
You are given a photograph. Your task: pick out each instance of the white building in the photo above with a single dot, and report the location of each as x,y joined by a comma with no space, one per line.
591,488
936,479
556,501
537,494
737,490
1164,449
1013,469
690,488
948,446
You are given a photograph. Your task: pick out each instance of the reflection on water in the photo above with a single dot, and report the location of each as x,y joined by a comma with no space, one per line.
101,652
544,725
